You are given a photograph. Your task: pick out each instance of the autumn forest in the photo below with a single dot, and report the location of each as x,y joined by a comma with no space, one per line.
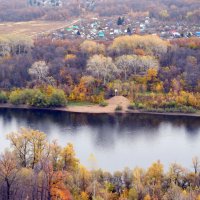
37,169
136,72
156,75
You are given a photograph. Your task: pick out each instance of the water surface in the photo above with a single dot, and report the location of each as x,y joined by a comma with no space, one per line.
117,141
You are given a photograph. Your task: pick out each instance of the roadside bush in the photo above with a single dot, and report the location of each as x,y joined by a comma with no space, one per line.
3,97
118,108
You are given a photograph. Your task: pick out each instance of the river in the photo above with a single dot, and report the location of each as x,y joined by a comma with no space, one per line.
117,141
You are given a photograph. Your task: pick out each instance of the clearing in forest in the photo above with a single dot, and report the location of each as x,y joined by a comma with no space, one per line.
33,28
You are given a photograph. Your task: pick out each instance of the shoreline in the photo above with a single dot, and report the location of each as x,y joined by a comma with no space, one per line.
95,109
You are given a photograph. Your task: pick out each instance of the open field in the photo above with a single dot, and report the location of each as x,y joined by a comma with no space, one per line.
33,28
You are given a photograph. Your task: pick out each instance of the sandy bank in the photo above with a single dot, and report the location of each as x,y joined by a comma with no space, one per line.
96,109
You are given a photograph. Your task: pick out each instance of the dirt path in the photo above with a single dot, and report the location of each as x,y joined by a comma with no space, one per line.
57,28
112,104
34,28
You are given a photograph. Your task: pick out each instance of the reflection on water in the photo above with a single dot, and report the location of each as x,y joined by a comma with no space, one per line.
118,140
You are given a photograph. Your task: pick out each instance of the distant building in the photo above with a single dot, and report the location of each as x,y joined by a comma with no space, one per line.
46,3
198,34
101,34
175,34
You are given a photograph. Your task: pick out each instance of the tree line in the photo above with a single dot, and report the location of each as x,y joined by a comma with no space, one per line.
153,73
35,168
179,10
20,10
42,98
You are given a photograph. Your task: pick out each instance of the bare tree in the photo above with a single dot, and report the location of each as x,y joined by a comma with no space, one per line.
102,67
40,71
124,64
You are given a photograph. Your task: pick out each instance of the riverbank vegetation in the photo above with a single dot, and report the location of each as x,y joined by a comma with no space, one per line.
41,98
154,74
33,168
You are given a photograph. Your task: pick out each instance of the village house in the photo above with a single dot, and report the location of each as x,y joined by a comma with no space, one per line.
108,28
46,3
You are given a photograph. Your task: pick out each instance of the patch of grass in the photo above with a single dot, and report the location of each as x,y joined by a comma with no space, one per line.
30,28
182,109
80,103
103,104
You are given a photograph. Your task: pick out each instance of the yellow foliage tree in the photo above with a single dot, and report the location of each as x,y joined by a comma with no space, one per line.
147,197
69,161
84,196
152,74
29,146
91,47
155,173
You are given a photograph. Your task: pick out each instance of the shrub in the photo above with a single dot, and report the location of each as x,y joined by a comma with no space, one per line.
118,108
15,97
140,106
57,99
171,104
181,109
103,104
27,96
158,110
132,106
187,109
96,98
39,100
3,97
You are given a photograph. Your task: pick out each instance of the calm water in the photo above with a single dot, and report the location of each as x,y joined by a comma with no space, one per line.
117,141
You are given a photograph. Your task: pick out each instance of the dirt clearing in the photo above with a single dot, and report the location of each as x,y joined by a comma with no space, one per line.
32,28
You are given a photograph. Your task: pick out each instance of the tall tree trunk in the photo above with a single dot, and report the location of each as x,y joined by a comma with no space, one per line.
8,188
